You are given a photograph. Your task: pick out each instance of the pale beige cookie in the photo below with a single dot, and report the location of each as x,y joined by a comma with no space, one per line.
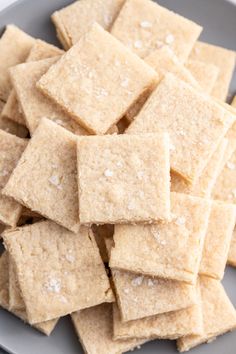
94,329
45,178
16,301
103,235
193,141
168,250
12,109
217,241
143,26
219,315
15,46
73,21
170,325
141,296
123,178
99,76
232,251
34,105
221,57
205,183
225,187
205,74
11,148
63,273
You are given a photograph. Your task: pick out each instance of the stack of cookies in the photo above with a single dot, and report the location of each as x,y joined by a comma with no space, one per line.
118,177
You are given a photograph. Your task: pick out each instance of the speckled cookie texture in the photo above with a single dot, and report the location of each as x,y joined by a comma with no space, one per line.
123,178
15,46
137,295
74,20
12,110
204,185
170,325
218,237
16,301
99,76
49,159
219,315
192,141
65,272
143,26
94,329
11,148
232,251
221,57
206,74
163,250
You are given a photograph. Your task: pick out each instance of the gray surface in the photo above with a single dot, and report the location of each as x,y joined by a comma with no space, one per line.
219,19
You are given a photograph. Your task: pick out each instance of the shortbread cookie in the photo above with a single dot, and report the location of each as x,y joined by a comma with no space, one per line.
219,315
33,104
140,296
15,46
143,26
205,183
74,20
94,329
218,237
170,325
49,160
11,148
193,140
66,275
168,250
99,76
123,178
13,128
205,74
232,251
103,234
221,57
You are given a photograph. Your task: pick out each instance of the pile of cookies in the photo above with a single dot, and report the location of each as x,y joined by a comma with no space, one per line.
118,177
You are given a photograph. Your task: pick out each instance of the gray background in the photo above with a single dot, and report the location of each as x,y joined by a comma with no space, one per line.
219,20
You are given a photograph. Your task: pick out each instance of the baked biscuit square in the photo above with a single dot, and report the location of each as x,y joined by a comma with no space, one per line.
170,325
33,104
193,140
206,74
45,178
15,46
99,76
217,242
219,315
123,178
73,21
170,250
140,296
143,26
64,272
221,57
94,329
11,149
232,251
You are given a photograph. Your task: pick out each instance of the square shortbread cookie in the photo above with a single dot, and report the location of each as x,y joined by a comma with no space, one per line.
140,296
232,251
45,177
11,148
123,178
103,234
45,327
193,140
170,325
206,74
33,104
221,57
64,273
99,76
74,20
218,237
219,315
143,26
170,250
15,46
94,329
205,183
